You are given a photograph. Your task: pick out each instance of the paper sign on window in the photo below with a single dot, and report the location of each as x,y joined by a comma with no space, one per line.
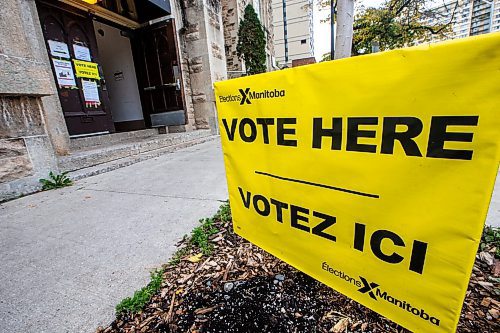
64,73
86,69
90,93
58,49
81,52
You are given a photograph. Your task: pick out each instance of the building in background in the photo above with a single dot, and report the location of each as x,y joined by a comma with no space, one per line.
467,17
232,14
293,30
495,26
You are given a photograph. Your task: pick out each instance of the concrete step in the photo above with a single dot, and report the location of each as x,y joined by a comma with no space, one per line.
110,139
91,157
123,162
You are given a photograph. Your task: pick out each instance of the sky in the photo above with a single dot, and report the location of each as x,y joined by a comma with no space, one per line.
322,30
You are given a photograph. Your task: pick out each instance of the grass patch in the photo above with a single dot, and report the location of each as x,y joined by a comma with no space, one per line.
224,213
200,235
136,303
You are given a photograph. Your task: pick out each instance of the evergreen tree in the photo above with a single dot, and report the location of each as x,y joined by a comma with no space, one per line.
252,42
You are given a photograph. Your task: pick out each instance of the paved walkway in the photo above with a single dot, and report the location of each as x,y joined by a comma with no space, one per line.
493,217
68,256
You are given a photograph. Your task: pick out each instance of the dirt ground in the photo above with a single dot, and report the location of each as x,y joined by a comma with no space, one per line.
241,288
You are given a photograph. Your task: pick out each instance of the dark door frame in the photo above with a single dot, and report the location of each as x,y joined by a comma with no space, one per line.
138,51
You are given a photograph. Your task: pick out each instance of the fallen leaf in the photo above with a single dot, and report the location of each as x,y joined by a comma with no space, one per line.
195,258
486,302
494,313
487,258
340,326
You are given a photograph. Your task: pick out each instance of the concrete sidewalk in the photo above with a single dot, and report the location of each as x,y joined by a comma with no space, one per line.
68,256
493,218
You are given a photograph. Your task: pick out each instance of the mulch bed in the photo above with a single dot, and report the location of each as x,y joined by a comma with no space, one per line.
241,288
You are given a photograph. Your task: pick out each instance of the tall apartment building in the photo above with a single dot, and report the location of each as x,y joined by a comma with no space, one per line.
468,17
293,30
495,24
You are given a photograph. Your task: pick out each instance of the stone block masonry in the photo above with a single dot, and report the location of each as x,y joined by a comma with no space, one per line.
26,153
202,43
14,160
26,150
232,14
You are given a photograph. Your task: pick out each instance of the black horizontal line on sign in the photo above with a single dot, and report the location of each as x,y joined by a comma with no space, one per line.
318,185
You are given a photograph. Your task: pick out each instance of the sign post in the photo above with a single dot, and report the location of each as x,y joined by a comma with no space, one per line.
383,194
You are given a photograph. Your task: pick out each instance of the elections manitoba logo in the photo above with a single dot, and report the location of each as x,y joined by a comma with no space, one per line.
374,291
246,95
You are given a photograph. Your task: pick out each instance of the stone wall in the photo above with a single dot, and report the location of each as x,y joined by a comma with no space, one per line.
202,43
232,13
24,66
231,17
267,22
26,151
177,14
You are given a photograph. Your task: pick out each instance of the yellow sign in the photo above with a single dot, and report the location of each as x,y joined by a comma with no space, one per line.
86,69
372,174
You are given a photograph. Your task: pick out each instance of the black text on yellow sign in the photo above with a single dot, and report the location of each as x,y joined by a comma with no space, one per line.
372,174
86,69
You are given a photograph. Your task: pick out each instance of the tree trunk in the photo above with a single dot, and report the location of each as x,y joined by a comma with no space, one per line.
345,19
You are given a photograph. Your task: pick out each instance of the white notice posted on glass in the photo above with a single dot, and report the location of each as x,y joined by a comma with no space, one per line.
81,52
58,49
90,92
64,73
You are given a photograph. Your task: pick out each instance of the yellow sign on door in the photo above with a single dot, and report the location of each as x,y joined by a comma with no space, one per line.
86,69
372,174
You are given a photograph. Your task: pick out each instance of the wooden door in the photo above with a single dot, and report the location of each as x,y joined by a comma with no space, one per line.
160,79
84,100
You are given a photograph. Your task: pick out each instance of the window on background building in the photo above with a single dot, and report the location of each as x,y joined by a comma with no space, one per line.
303,41
256,6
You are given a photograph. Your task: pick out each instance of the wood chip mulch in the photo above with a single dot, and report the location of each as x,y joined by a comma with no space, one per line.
241,288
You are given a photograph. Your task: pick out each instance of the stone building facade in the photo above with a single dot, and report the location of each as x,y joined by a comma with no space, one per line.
34,129
232,14
26,150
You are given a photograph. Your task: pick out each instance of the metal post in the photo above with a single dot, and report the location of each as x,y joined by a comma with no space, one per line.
332,29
